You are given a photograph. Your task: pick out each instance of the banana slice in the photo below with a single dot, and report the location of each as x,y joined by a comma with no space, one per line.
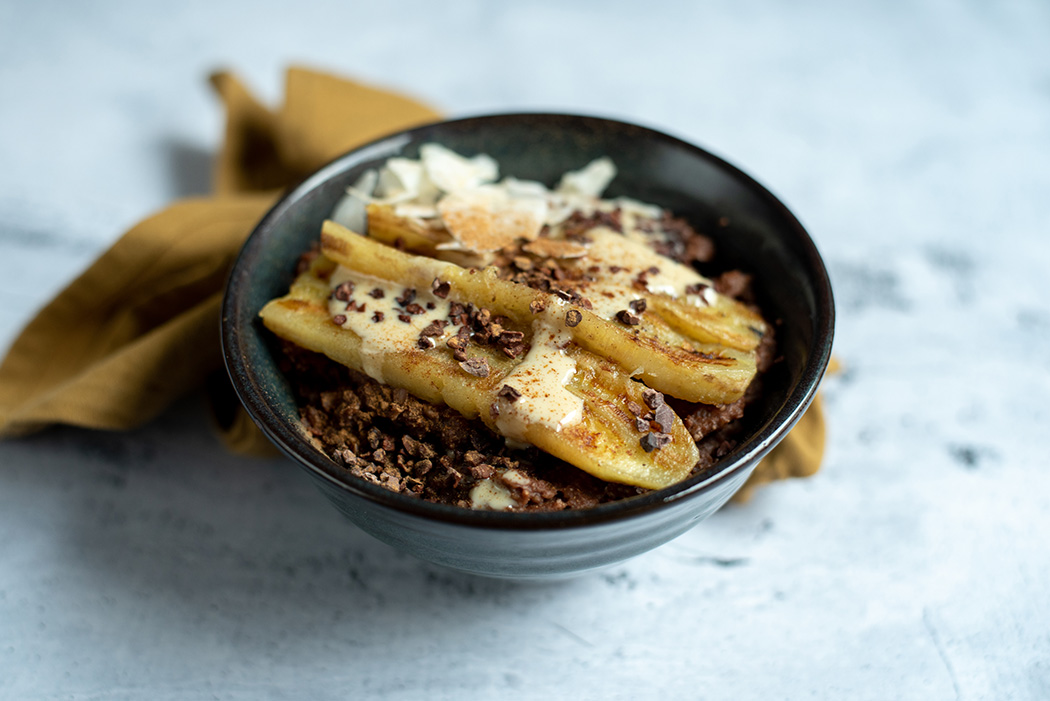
652,349
557,396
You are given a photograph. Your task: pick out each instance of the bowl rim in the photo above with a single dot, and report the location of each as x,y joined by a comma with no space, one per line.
291,441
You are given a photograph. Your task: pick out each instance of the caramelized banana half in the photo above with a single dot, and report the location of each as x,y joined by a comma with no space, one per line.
700,352
538,387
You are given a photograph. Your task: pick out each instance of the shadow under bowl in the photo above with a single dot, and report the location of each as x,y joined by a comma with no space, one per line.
761,237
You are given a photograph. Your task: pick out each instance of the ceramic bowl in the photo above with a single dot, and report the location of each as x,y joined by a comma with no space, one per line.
762,237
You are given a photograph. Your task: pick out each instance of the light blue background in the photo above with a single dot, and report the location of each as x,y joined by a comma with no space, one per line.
912,139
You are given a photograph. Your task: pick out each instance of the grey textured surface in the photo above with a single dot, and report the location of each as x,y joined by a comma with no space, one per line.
911,139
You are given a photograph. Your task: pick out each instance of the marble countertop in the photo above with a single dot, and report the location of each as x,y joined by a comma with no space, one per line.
912,141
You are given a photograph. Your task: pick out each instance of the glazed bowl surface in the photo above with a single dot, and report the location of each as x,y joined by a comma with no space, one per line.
762,238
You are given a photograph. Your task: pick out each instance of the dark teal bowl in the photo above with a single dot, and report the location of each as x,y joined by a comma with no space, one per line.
763,237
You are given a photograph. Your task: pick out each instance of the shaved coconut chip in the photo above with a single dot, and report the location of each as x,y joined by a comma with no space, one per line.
590,180
404,180
555,248
562,205
416,211
451,172
527,188
487,219
558,212
351,210
400,177
366,184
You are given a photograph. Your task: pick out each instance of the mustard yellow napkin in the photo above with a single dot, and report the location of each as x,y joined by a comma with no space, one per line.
140,327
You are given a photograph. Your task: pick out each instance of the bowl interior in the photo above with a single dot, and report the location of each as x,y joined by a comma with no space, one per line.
762,237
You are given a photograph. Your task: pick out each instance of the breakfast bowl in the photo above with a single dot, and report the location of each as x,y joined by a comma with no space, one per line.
753,232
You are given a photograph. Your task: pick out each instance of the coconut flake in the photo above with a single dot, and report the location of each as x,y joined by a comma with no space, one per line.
524,188
399,178
351,210
404,180
591,180
451,172
411,210
487,219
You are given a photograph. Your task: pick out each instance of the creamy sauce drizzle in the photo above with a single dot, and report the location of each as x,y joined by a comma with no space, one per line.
489,494
622,258
392,334
540,379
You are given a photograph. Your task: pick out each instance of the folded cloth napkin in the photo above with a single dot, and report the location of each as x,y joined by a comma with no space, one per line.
140,326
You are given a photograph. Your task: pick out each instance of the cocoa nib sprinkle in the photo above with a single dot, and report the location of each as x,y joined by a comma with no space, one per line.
652,398
478,367
354,306
573,317
509,393
537,305
458,344
733,283
405,318
698,289
572,296
339,319
482,328
642,425
457,313
548,275
655,441
377,293
440,289
482,319
663,416
377,317
515,351
638,305
579,223
425,342
624,316
343,291
434,328
406,297
698,249
675,238
414,308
